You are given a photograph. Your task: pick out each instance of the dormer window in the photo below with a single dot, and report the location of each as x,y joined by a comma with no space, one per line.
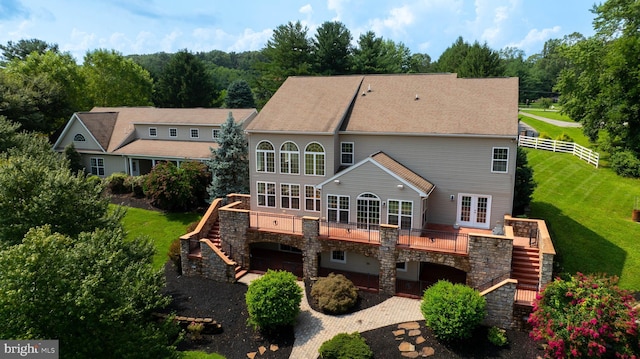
195,133
173,132
79,138
153,132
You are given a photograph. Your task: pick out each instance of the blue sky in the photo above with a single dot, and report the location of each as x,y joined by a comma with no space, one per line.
149,26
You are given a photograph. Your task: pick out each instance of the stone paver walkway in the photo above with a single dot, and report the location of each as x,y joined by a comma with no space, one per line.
313,328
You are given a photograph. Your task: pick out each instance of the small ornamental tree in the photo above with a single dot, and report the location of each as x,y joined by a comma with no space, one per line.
452,311
586,316
229,163
273,300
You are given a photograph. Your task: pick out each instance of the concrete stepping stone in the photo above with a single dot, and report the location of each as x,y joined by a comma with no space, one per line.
397,333
274,347
413,354
414,332
409,325
420,340
406,347
251,355
427,352
262,349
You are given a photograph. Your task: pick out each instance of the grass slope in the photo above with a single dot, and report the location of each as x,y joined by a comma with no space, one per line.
555,131
556,115
162,228
588,211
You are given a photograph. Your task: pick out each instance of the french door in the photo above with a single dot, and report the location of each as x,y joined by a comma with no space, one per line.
474,210
368,211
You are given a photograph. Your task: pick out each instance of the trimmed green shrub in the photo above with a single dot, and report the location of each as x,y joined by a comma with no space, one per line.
497,336
625,164
135,185
116,183
452,311
174,254
335,294
273,300
345,346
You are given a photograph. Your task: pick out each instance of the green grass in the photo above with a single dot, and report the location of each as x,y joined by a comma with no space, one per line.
588,212
554,115
162,228
555,131
201,355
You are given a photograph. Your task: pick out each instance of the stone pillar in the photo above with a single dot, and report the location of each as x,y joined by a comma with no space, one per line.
387,258
185,263
546,269
233,234
310,232
489,258
500,299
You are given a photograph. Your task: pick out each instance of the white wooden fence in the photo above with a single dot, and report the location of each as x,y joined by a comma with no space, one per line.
560,146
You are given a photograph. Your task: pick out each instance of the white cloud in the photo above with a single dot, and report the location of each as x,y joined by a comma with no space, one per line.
535,38
168,41
338,7
492,20
250,40
307,9
399,18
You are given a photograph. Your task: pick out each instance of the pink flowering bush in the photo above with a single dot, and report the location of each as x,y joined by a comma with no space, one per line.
586,316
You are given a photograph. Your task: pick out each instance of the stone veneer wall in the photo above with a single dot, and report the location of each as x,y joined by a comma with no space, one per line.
234,224
489,258
500,299
214,266
520,316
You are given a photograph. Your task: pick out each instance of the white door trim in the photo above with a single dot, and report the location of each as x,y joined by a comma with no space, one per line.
476,212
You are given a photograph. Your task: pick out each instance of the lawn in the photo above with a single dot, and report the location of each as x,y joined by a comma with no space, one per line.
554,131
588,211
554,115
162,228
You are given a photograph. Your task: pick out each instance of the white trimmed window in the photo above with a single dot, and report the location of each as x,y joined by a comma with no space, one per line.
195,133
314,159
500,160
311,198
400,213
215,134
339,256
338,208
153,132
289,158
265,157
346,153
401,266
266,194
290,196
173,132
79,138
97,166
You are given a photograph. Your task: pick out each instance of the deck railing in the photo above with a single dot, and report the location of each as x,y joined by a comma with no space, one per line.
435,240
286,223
350,231
575,149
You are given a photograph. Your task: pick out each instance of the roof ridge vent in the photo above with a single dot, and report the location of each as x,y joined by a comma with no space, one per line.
369,88
417,97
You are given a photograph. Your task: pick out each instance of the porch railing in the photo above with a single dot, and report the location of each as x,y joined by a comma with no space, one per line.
286,223
434,240
350,231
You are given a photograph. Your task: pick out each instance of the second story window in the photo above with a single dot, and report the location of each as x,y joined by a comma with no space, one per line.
153,132
289,158
215,134
314,159
265,157
500,160
195,133
346,153
173,132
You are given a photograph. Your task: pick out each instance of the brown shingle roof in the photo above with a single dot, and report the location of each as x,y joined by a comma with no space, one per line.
403,172
162,148
307,104
100,125
446,105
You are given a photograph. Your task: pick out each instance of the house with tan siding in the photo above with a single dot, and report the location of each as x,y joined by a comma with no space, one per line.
133,139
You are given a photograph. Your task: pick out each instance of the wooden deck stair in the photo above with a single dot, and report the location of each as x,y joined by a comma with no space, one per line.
214,237
525,266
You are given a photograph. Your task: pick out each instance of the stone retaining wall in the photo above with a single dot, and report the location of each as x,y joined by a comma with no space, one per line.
500,299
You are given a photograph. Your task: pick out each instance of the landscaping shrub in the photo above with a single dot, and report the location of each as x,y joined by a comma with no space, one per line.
273,300
564,137
497,336
345,346
174,254
135,185
586,316
544,135
177,189
335,294
116,183
452,311
625,164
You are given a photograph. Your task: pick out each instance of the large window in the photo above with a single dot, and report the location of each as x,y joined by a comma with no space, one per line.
289,158
346,153
311,198
400,213
500,159
266,194
290,196
97,166
338,208
265,157
314,159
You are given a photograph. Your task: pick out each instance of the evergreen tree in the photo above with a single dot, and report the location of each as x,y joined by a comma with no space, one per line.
332,49
229,163
525,185
184,83
74,158
239,95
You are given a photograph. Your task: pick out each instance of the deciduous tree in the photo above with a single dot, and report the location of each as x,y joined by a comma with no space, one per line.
23,48
184,83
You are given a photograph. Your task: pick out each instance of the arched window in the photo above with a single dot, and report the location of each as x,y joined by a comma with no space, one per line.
314,159
265,157
79,138
368,211
289,158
